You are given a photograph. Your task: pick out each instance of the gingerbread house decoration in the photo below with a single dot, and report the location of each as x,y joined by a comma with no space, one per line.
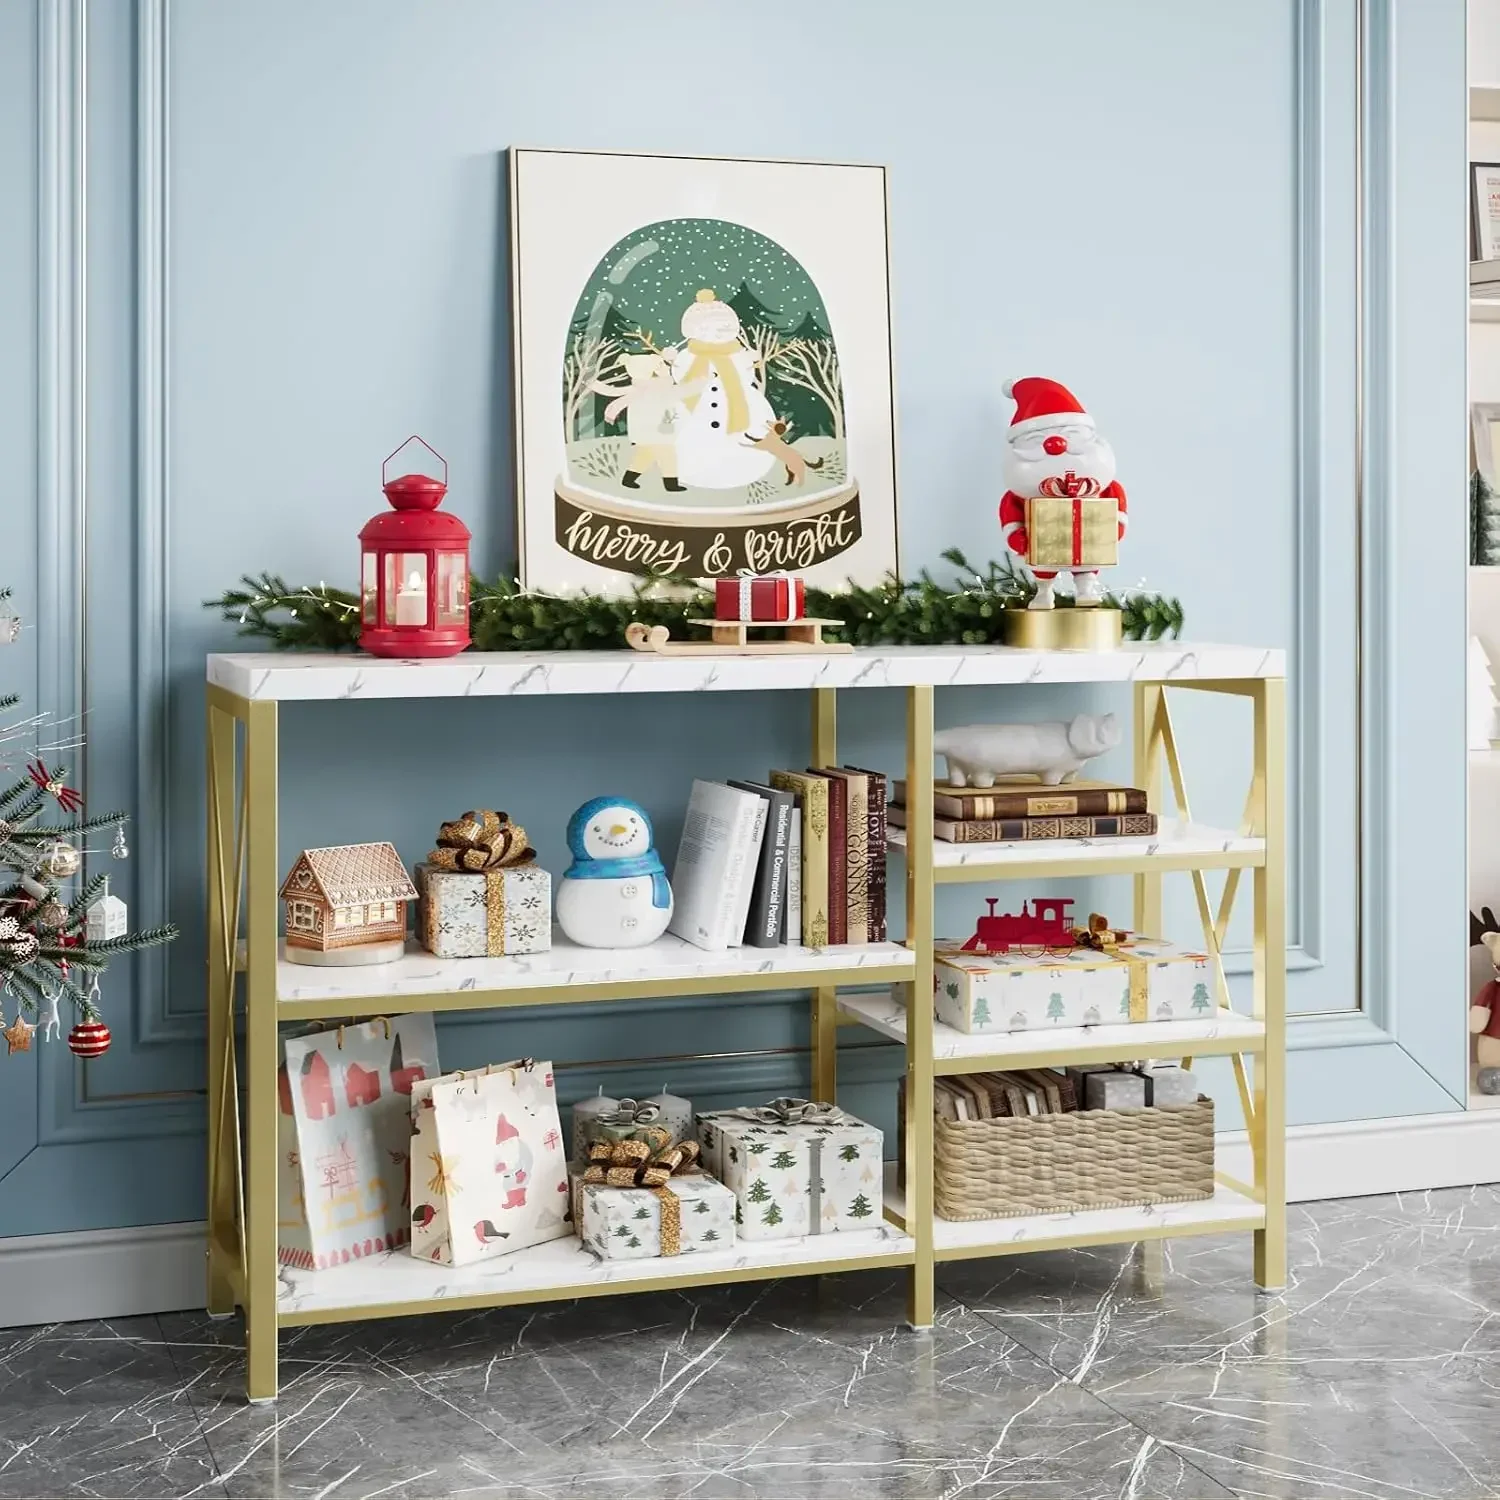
346,904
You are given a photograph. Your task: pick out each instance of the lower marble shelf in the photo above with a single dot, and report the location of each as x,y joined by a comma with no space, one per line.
396,1283
961,1239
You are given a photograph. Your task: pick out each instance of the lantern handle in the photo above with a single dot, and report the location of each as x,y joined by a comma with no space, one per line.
416,438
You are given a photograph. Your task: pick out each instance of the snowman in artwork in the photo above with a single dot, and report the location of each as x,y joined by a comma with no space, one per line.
615,893
1053,449
724,410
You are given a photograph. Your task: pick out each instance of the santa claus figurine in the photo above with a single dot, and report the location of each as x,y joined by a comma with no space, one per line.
1053,454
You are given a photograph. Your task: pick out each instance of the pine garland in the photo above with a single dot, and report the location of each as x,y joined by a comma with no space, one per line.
505,617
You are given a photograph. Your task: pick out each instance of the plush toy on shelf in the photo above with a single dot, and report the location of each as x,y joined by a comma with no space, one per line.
1484,1019
1063,508
615,893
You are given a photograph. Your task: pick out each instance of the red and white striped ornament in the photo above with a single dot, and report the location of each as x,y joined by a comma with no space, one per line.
89,1039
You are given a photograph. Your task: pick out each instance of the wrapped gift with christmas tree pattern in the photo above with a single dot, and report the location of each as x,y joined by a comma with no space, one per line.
1142,979
632,1203
795,1167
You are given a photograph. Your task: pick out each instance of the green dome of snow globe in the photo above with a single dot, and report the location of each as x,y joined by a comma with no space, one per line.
701,388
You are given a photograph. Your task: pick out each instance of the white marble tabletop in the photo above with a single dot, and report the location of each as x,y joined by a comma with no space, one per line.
318,676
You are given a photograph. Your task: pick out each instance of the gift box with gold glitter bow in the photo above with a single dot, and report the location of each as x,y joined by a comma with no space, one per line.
632,1204
480,893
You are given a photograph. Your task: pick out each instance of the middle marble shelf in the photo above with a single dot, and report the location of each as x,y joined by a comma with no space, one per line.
1224,1032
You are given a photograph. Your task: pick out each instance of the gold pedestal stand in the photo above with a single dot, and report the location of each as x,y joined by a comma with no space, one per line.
1091,629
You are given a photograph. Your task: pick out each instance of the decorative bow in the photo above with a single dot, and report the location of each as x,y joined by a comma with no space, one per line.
481,840
785,1111
632,1120
626,1164
1099,935
51,782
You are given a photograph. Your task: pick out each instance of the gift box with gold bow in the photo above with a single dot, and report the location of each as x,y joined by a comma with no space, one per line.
1108,978
480,893
631,1203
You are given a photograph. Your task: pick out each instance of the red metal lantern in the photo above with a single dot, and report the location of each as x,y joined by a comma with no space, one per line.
414,574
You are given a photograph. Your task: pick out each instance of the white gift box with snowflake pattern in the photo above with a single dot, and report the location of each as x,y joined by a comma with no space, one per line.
461,914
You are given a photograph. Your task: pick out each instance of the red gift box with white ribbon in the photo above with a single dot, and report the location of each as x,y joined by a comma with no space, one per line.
768,598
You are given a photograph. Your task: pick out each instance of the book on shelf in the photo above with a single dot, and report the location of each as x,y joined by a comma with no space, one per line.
766,925
838,855
1030,799
1033,830
714,875
812,792
857,852
794,876
875,822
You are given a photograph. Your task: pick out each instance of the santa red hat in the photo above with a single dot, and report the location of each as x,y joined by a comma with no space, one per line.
1043,403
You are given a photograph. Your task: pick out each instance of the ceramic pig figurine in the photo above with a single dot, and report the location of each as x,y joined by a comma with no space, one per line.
978,753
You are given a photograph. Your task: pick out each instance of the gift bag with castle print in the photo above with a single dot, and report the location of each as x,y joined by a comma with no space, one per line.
344,1130
489,1174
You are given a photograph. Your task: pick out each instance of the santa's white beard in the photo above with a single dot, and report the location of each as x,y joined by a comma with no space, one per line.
1093,468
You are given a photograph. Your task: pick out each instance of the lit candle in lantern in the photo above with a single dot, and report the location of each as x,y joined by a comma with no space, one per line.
411,601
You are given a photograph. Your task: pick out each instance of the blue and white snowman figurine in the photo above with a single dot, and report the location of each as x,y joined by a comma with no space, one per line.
615,893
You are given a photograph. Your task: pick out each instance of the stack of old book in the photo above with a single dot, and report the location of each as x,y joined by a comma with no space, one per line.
1023,810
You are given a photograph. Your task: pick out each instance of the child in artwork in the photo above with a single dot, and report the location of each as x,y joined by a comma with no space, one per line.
653,406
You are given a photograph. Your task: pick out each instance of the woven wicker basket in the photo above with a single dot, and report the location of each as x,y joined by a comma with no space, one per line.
1094,1158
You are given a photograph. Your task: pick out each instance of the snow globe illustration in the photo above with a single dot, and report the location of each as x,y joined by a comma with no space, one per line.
703,409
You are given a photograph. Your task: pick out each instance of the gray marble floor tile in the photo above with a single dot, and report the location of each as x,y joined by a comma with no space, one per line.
1373,1374
798,1389
98,1409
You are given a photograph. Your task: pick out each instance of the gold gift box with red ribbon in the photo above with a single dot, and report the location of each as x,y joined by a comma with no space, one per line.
1070,533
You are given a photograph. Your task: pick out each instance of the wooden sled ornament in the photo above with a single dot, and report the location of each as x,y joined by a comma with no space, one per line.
732,638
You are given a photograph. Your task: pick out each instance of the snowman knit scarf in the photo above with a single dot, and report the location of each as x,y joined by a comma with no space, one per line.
721,358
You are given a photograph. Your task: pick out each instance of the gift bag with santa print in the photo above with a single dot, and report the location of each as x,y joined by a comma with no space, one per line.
344,1131
489,1174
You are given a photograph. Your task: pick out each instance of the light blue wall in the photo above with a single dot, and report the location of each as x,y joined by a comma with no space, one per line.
1152,202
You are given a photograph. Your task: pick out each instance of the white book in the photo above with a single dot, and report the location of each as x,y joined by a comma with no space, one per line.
793,923
716,860
743,873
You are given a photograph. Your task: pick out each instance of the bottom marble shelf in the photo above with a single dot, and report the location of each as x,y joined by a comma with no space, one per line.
961,1239
396,1283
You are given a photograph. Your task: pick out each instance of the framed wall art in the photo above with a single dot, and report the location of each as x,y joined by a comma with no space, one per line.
702,369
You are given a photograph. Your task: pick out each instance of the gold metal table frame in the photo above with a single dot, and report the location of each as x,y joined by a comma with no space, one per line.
242,897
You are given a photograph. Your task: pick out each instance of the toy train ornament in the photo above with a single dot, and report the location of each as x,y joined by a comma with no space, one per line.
1043,925
1045,922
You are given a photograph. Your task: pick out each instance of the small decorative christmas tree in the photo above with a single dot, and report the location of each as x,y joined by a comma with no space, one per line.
772,1215
783,1160
1055,1006
758,1192
860,1208
981,1011
849,1153
45,944
1201,1002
